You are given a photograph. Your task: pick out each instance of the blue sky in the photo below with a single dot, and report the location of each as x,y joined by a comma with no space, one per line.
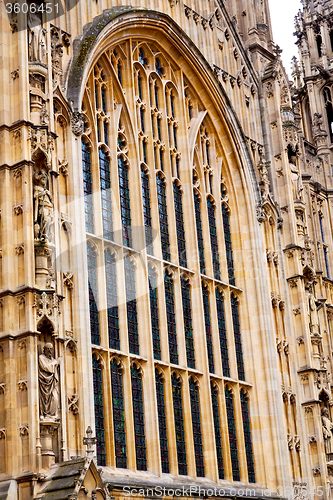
282,16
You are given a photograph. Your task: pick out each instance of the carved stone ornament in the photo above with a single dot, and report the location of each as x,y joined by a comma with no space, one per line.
77,121
68,280
24,430
43,207
89,442
173,3
36,38
73,404
2,388
48,377
327,427
47,305
3,433
22,385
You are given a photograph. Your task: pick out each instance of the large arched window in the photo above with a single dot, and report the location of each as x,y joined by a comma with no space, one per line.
118,414
171,317
229,401
99,410
104,175
247,437
196,427
138,417
217,429
87,187
162,425
188,327
179,424
112,300
93,295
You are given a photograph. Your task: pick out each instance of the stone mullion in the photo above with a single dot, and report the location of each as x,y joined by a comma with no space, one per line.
190,452
170,418
151,420
80,301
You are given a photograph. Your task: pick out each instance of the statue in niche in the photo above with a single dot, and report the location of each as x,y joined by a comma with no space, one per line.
317,124
48,377
327,427
43,209
295,177
36,39
313,316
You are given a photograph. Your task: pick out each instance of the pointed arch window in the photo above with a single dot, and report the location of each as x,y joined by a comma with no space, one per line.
112,300
118,414
188,327
125,207
163,216
177,193
209,340
93,295
132,313
199,232
162,425
105,182
154,315
228,244
196,427
171,318
222,332
247,437
138,417
229,401
179,424
238,337
87,187
99,410
213,239
147,210
217,430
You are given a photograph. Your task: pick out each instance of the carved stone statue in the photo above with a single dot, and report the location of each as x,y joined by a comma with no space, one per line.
313,316
317,124
43,208
48,378
295,178
327,427
36,39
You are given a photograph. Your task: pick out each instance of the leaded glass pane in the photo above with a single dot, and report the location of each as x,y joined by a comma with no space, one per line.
147,211
196,426
171,318
180,225
112,300
125,207
106,201
99,411
229,401
187,315
163,215
132,314
199,233
179,424
93,296
247,437
222,332
103,93
138,417
238,338
213,239
209,340
217,430
162,426
87,187
118,414
228,245
154,315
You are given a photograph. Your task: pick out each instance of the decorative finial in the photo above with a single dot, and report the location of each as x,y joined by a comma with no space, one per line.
89,442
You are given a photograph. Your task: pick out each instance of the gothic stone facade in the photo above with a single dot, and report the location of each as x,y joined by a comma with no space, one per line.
166,207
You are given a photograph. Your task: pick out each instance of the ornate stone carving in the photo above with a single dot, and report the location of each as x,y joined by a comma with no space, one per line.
89,442
15,74
36,39
18,209
313,316
68,280
3,433
77,121
22,385
316,470
19,249
24,430
48,378
2,388
43,207
73,404
327,427
63,167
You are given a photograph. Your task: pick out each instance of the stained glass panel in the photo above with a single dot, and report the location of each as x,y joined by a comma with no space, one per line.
199,233
217,430
138,417
125,207
132,314
106,201
229,401
238,338
209,340
99,411
118,414
87,187
171,318
180,225
213,239
188,327
93,296
162,426
196,426
163,215
154,315
112,300
247,437
222,332
228,245
147,211
179,424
